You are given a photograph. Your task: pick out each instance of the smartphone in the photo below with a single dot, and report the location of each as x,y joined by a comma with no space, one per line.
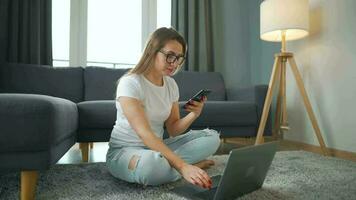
198,96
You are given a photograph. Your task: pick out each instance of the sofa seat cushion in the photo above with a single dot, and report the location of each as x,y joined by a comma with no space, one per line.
102,114
32,122
225,113
97,114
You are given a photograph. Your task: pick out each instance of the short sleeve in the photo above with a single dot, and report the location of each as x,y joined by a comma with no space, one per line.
175,92
129,87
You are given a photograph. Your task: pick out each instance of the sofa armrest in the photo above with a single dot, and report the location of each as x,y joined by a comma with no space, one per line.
30,122
257,94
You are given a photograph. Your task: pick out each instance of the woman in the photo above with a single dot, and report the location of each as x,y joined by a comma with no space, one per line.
146,101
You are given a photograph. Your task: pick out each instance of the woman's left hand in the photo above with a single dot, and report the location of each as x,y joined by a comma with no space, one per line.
196,107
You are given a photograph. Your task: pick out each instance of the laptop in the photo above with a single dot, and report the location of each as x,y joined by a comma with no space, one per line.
245,171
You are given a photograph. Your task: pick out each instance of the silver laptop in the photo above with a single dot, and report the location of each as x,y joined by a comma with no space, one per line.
245,172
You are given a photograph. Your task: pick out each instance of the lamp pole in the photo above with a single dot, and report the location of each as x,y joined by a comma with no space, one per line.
283,35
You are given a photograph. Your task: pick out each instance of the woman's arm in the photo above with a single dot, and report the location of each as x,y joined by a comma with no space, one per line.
175,125
136,116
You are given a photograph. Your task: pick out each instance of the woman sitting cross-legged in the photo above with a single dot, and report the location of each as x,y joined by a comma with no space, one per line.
146,101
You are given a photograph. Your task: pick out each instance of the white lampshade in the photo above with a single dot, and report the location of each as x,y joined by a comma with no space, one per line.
290,16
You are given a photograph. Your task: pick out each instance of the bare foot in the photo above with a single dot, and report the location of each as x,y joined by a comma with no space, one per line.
204,164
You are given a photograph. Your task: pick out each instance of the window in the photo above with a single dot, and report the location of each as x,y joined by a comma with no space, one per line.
114,34
114,31
163,13
60,32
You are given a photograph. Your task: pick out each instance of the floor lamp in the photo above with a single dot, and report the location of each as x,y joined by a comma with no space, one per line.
281,21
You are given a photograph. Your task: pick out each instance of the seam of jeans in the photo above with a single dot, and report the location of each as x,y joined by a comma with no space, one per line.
182,138
118,155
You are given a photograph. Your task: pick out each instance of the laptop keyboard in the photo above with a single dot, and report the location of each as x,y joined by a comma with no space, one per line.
208,194
190,190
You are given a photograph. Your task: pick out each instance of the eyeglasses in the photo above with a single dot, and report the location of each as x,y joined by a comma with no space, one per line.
172,58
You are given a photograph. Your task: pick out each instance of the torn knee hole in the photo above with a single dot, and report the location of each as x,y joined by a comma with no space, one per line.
133,162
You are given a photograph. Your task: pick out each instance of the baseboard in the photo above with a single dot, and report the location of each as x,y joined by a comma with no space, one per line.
316,149
247,140
294,145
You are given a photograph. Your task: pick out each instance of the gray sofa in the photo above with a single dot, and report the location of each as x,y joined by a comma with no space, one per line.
45,110
234,112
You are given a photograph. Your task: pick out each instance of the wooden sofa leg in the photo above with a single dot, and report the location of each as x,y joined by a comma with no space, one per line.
28,184
91,145
84,147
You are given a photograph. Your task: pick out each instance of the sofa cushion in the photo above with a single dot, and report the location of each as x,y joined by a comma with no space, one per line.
100,82
190,83
63,82
225,113
97,114
102,114
32,122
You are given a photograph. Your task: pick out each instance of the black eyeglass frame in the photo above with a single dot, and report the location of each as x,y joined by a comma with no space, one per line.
170,56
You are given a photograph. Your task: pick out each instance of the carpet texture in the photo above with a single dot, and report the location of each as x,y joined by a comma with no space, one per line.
293,175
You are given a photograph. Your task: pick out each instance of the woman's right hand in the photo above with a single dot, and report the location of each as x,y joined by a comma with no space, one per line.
196,176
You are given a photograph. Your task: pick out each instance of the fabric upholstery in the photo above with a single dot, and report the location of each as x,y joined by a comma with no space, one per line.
190,83
226,113
35,160
35,122
102,114
100,83
66,82
97,114
94,135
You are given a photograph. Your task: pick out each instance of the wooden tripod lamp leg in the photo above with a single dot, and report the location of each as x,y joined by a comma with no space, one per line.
307,104
268,100
277,117
284,96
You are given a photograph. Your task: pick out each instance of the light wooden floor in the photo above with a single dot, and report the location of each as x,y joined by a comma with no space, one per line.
97,154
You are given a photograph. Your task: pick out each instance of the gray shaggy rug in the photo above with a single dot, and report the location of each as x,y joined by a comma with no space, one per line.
293,175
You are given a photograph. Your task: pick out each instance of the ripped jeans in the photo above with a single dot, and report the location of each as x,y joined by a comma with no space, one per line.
151,168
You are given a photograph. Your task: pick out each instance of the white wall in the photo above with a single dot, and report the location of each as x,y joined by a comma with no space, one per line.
327,62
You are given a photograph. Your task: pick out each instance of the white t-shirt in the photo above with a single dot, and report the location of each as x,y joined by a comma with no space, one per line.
156,100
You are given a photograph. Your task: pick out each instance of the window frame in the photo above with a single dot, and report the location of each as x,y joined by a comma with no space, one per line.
78,28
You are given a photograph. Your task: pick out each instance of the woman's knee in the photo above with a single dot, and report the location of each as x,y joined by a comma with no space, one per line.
154,169
212,139
201,147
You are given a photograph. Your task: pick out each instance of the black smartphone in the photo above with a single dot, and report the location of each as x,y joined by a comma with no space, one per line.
198,96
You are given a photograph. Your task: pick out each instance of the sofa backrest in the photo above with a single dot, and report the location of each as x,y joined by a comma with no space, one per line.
93,83
100,83
63,82
190,83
